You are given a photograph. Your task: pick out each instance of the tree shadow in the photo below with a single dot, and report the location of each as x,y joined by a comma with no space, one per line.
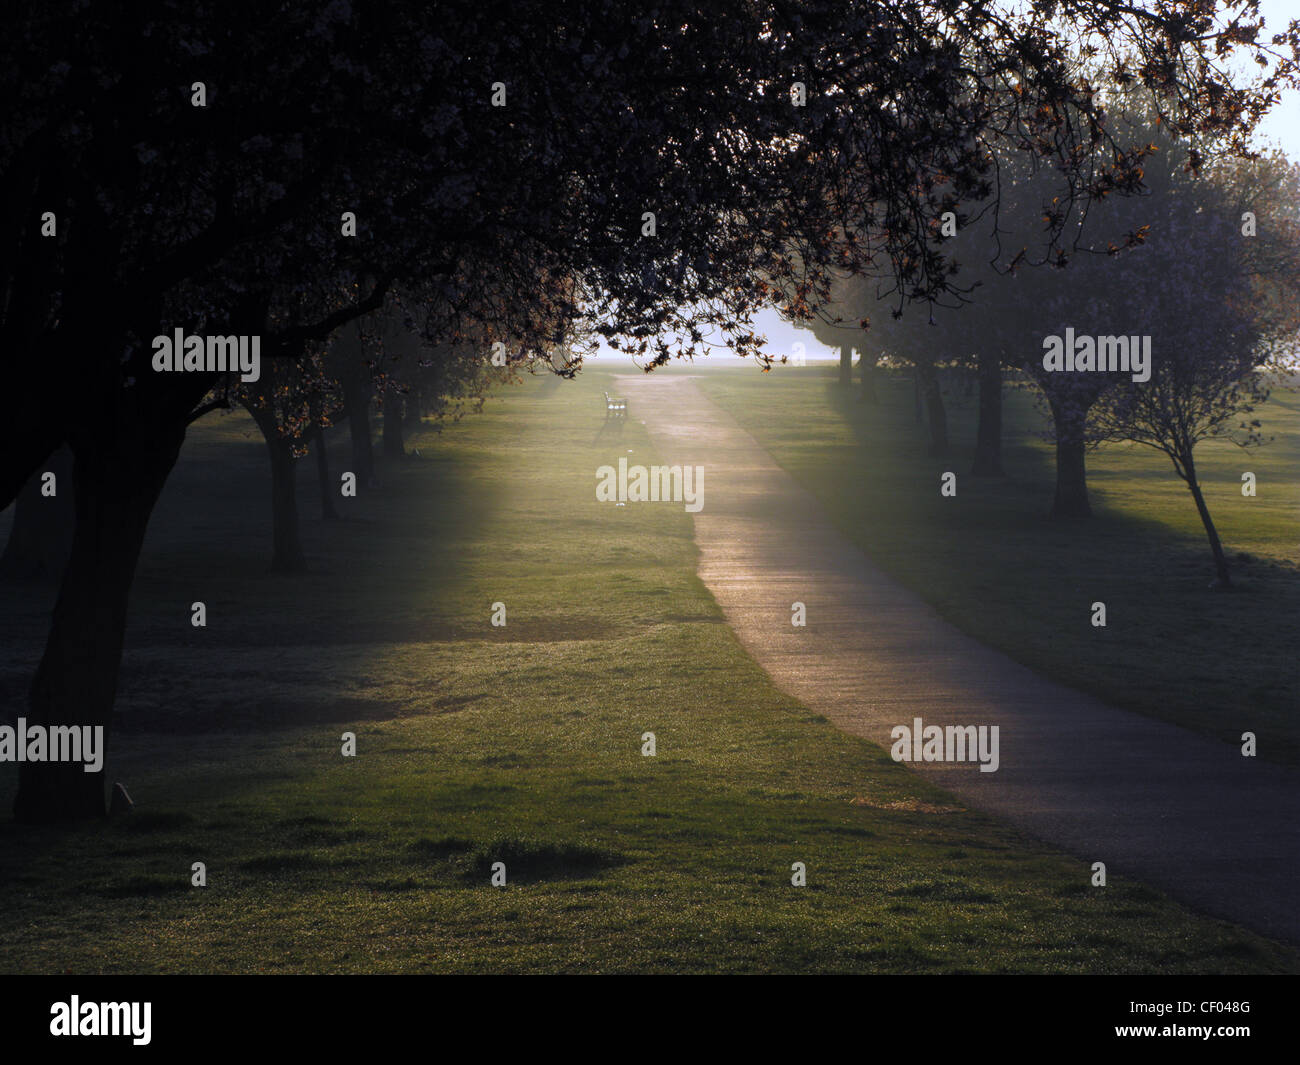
611,431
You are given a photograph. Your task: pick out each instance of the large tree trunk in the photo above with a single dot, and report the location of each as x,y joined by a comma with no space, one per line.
938,416
918,408
41,538
116,484
287,555
327,488
846,366
394,445
1071,500
1220,559
988,435
867,368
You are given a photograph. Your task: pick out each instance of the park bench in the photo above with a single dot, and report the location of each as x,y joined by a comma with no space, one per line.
614,407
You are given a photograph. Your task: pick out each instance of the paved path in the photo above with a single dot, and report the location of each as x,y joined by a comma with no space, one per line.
1151,800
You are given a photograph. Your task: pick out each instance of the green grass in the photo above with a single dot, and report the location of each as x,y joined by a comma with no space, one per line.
520,745
993,563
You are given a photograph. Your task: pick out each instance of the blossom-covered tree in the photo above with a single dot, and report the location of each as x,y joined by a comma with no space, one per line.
1220,300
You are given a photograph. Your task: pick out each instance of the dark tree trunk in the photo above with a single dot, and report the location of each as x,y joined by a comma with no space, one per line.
394,445
412,423
988,434
867,368
357,391
846,366
116,484
1220,559
1071,500
287,555
938,416
41,538
918,408
327,488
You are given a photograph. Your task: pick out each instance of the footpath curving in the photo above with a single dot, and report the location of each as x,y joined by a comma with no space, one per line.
1153,801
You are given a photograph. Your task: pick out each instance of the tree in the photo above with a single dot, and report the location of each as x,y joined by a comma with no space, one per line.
281,402
1206,287
640,175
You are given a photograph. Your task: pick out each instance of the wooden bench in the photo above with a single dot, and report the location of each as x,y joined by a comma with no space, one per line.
614,407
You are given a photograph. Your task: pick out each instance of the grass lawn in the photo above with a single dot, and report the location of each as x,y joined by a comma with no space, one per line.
993,563
519,744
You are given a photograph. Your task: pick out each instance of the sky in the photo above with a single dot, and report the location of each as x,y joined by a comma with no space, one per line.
1281,128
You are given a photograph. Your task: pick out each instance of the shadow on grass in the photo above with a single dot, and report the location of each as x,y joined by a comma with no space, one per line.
993,562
